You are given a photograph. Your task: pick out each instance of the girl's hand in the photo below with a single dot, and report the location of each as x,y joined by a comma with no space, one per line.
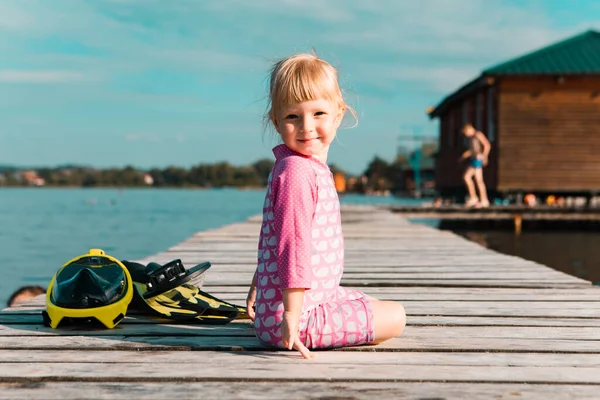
250,300
289,335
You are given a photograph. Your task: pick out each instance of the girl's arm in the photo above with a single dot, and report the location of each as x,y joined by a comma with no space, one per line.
293,300
251,298
253,285
294,194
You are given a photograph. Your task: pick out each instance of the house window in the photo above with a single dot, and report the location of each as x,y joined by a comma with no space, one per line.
491,113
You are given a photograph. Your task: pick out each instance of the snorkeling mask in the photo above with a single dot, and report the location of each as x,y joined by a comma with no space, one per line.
93,286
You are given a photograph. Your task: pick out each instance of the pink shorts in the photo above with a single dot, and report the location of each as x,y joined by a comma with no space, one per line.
345,323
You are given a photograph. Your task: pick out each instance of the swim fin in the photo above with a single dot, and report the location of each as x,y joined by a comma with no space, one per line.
167,291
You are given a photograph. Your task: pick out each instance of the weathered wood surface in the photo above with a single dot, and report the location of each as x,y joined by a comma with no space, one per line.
296,390
480,325
501,212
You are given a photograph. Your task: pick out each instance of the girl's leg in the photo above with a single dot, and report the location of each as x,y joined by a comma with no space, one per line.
389,319
338,324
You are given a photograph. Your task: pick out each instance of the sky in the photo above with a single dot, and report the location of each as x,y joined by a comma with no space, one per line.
154,83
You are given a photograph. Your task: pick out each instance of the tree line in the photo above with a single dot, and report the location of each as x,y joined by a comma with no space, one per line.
379,175
220,174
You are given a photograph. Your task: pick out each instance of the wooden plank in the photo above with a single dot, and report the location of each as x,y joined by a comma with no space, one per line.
360,283
457,294
223,275
364,260
382,266
461,311
317,372
590,293
290,358
442,320
507,308
246,330
474,306
376,234
33,318
224,389
401,271
416,293
385,261
231,343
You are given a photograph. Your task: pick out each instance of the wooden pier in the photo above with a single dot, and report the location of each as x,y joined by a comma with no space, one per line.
547,215
480,325
500,212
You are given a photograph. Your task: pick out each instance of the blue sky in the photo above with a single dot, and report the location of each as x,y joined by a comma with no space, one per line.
153,83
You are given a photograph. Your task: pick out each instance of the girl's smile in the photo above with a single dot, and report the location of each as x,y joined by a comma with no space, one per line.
308,140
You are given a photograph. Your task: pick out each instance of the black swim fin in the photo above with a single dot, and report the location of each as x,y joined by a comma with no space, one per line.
171,295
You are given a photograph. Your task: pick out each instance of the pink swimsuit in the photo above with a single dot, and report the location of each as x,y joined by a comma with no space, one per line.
301,245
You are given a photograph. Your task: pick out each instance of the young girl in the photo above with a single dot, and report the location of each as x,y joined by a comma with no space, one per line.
295,292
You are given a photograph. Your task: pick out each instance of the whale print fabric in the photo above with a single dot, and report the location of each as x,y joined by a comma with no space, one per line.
301,245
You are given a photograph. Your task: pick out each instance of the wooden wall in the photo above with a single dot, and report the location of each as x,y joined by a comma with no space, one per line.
549,134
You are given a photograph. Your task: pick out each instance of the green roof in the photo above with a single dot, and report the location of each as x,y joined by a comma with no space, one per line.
576,55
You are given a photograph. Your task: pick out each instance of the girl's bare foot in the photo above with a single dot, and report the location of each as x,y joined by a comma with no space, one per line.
472,202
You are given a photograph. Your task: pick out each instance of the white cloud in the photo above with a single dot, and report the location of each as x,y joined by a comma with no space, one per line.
437,78
319,10
122,39
154,138
437,43
13,18
135,137
415,37
25,76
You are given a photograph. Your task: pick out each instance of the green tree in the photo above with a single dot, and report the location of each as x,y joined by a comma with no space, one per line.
263,169
335,169
377,174
175,176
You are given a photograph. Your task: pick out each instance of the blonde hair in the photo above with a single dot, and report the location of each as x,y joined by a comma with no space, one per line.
303,77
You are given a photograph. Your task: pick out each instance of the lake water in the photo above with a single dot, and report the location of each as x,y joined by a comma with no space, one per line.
42,228
571,248
575,252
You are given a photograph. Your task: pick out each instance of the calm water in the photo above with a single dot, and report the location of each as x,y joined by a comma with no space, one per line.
573,252
567,248
41,229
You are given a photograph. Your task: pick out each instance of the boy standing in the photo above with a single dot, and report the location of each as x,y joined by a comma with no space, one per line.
479,148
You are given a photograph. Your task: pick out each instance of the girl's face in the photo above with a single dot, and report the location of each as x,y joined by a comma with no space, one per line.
309,127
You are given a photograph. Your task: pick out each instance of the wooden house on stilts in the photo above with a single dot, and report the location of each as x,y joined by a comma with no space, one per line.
541,113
